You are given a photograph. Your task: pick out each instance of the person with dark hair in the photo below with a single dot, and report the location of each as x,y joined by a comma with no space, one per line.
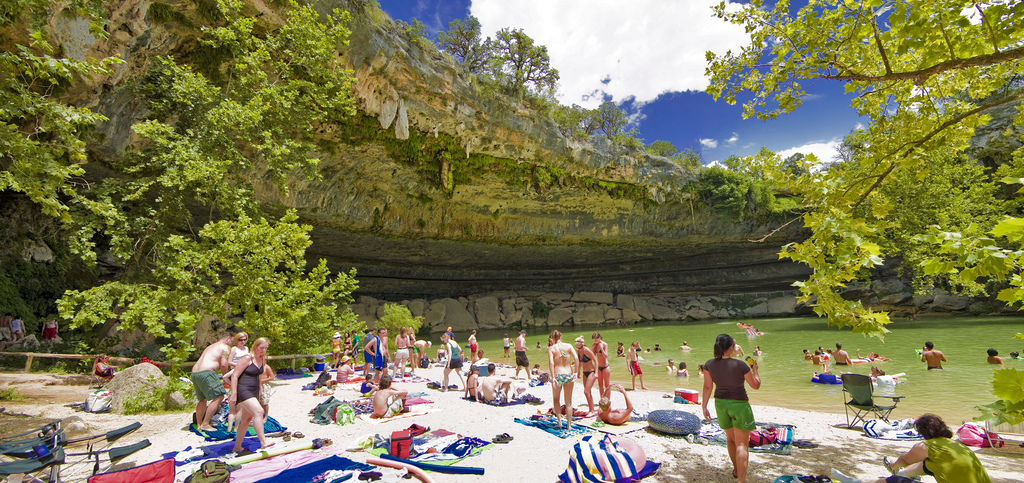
931,356
726,376
938,455
388,401
993,357
453,357
842,358
604,371
633,364
1015,355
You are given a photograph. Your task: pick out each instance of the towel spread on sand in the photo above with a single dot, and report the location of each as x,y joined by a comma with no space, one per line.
551,427
220,432
713,434
414,411
900,430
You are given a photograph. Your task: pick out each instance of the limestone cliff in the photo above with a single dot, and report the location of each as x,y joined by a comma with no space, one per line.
439,188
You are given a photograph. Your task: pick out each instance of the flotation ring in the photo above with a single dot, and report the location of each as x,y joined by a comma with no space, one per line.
859,361
671,421
826,379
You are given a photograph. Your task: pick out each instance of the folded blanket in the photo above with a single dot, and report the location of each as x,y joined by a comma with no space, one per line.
711,433
551,427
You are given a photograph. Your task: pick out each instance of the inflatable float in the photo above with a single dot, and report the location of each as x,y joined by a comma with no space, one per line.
826,379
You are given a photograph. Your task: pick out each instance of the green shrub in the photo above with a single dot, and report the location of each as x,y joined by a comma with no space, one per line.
10,394
540,309
156,399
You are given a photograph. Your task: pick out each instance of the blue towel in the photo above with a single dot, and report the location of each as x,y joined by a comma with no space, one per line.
307,472
220,432
563,433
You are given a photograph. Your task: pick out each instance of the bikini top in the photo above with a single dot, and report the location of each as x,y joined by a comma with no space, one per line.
583,357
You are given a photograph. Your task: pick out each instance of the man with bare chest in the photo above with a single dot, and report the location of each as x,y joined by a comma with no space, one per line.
207,382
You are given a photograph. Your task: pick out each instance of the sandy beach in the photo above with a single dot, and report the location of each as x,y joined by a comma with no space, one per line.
533,455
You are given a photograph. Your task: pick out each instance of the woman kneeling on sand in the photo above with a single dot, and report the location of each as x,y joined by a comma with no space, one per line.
938,455
245,393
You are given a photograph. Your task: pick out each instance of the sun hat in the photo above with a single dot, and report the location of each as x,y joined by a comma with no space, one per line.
337,335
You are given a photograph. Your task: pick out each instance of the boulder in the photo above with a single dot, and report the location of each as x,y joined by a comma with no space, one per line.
642,308
418,307
781,305
132,381
594,297
176,400
758,309
948,302
630,315
660,312
589,316
889,286
720,314
488,316
559,317
508,307
612,314
514,319
37,252
624,302
897,298
697,313
435,313
457,317
555,297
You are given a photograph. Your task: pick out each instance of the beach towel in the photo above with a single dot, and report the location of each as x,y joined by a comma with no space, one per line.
413,412
220,431
159,472
550,427
619,430
901,430
711,433
310,472
190,454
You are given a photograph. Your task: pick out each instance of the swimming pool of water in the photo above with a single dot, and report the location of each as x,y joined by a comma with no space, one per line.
951,393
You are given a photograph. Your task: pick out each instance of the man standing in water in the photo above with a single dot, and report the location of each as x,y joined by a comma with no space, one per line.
842,358
522,362
206,380
933,357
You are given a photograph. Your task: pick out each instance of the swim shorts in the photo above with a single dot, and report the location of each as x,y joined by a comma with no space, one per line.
563,379
734,414
634,368
930,368
208,385
522,360
455,363
473,348
367,357
395,407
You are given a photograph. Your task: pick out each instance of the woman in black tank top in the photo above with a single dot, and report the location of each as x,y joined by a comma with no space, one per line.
245,393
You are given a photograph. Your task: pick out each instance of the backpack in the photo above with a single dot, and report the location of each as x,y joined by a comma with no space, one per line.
424,362
99,401
761,437
971,435
211,471
323,378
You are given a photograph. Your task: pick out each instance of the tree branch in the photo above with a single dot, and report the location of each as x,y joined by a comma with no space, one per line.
954,64
881,47
988,25
762,239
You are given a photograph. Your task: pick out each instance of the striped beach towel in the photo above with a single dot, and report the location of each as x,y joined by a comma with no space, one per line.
598,458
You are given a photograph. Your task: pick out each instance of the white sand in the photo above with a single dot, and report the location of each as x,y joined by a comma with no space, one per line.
534,455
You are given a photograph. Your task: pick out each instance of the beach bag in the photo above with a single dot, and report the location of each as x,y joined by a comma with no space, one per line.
598,459
211,471
761,437
344,414
401,444
424,362
991,440
323,378
99,401
971,435
782,435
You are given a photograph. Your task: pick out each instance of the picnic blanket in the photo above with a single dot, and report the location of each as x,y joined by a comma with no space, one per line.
901,430
451,447
550,426
711,433
220,431
627,427
414,411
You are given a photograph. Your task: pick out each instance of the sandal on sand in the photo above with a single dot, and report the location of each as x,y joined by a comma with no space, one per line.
804,443
287,437
887,465
298,435
244,452
502,438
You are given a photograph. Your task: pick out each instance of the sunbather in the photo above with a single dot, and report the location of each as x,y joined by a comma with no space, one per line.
388,401
492,388
614,416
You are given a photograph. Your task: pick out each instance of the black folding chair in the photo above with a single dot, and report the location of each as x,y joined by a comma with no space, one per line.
113,454
862,399
16,471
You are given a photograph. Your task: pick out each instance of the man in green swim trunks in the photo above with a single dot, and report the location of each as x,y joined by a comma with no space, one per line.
938,455
206,379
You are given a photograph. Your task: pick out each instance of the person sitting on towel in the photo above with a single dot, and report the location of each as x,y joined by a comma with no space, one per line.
494,389
388,401
614,416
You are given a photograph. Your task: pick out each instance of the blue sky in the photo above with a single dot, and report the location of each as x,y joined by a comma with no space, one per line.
648,55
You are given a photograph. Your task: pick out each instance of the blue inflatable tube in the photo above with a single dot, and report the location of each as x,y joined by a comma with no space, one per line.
455,470
826,379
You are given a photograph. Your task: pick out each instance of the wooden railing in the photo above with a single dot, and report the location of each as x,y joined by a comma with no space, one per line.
30,356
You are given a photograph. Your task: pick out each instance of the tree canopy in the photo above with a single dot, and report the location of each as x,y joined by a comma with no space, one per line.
926,74
201,146
463,41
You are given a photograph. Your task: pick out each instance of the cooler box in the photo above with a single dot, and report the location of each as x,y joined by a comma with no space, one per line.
482,368
319,366
688,396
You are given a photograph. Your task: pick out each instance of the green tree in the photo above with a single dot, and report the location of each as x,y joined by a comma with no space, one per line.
519,64
689,159
662,148
610,119
463,41
925,74
397,316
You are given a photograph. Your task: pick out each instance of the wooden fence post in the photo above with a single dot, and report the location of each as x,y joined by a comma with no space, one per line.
28,364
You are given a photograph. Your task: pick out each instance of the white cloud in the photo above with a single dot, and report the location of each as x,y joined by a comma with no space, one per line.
732,139
825,151
708,143
642,48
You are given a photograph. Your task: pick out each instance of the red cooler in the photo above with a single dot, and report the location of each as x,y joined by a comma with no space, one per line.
689,395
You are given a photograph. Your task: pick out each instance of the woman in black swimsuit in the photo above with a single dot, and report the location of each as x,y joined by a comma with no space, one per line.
245,393
604,373
587,369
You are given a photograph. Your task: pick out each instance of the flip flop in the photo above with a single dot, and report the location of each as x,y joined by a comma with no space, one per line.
298,435
804,443
502,438
244,452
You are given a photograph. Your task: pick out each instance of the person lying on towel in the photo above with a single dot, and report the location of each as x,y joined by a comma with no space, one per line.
611,416
388,401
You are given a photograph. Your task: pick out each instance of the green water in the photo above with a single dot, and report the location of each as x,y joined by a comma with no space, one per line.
951,393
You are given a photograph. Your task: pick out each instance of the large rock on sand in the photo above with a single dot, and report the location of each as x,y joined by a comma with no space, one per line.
135,380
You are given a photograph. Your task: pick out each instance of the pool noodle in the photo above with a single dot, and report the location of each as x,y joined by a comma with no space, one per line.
422,475
455,470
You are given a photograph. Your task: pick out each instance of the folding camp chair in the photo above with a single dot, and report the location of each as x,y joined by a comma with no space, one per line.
40,431
114,454
16,471
1005,437
26,448
862,400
